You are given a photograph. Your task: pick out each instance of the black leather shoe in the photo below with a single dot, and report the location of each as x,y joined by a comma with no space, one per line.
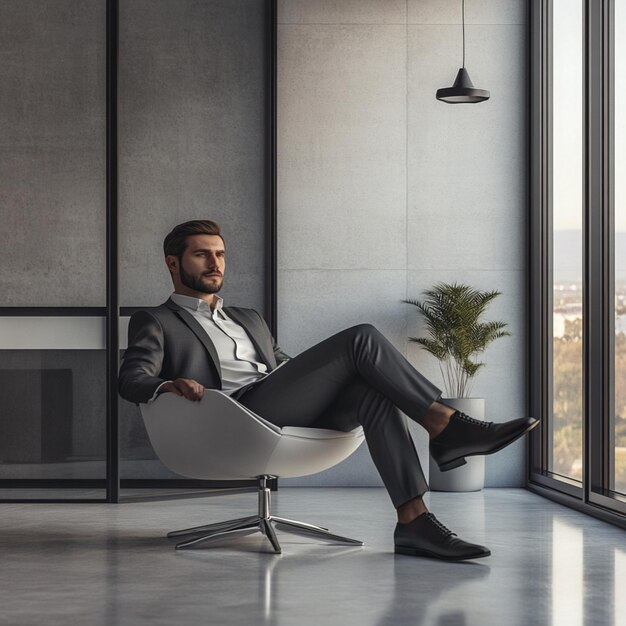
466,436
427,536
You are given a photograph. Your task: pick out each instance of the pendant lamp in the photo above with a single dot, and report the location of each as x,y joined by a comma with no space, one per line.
463,91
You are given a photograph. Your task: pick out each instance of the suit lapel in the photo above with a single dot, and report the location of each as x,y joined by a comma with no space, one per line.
251,331
198,331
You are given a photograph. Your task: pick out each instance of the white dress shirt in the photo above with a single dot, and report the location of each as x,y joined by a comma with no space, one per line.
239,360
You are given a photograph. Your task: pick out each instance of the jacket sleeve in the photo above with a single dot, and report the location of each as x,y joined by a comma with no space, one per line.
278,353
143,359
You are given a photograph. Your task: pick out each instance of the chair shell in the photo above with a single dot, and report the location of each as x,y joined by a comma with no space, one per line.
217,438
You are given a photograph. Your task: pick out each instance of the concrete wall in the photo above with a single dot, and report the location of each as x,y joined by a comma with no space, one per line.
192,139
384,191
52,153
191,144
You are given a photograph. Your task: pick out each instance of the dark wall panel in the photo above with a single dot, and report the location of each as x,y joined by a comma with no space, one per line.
52,152
191,138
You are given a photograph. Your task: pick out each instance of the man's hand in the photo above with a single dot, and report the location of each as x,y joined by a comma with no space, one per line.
191,389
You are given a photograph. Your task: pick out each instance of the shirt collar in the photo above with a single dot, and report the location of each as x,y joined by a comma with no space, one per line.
196,304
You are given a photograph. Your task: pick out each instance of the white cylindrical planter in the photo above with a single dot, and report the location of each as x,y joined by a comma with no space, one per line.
468,477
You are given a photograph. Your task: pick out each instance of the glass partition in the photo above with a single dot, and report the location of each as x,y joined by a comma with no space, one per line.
52,162
53,417
192,145
189,106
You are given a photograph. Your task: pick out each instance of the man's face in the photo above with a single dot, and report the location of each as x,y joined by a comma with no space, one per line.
203,263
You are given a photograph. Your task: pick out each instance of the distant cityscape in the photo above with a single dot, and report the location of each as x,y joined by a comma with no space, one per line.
567,356
568,305
567,282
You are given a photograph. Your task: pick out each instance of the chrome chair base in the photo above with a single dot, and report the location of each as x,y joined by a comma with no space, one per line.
262,522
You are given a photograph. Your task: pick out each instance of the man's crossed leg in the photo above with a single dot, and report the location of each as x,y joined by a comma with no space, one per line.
358,377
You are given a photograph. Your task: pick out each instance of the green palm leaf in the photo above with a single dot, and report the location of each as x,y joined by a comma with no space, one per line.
451,314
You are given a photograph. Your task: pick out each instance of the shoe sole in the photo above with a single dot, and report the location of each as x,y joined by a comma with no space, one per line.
449,465
432,555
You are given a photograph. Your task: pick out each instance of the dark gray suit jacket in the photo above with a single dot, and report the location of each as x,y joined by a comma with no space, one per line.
166,342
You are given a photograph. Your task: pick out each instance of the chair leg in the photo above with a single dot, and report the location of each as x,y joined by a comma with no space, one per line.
266,527
210,527
261,522
322,534
250,527
285,520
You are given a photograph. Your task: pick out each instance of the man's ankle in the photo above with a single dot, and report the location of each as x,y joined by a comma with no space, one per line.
436,418
410,510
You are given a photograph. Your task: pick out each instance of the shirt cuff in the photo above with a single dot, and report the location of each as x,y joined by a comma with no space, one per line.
156,393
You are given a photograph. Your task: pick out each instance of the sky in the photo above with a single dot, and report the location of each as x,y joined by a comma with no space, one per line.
567,114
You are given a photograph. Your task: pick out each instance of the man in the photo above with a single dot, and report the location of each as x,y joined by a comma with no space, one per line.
192,342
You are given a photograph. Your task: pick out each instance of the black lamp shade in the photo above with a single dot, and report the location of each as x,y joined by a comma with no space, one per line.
463,91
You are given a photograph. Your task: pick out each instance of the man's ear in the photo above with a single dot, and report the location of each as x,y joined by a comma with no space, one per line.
170,263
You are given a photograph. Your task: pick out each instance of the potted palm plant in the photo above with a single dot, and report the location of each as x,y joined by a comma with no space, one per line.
455,338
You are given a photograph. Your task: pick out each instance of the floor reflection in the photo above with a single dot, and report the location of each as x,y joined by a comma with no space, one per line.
433,598
567,574
349,585
619,588
299,575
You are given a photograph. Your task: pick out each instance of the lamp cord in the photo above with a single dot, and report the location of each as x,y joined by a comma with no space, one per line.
463,5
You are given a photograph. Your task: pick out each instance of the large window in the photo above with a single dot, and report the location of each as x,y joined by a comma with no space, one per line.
619,165
578,254
567,241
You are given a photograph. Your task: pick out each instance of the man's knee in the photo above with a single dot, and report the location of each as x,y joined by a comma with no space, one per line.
363,329
363,334
360,333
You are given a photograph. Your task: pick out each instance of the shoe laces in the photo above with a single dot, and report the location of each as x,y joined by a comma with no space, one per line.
471,420
444,529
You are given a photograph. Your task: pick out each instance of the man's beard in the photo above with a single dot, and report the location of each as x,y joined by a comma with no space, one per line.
197,284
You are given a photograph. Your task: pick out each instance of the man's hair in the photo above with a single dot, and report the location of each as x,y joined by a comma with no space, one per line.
176,241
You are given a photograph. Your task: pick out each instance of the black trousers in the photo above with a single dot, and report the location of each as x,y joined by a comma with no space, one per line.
354,377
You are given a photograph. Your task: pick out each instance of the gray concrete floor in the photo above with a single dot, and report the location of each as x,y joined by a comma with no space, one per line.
104,564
